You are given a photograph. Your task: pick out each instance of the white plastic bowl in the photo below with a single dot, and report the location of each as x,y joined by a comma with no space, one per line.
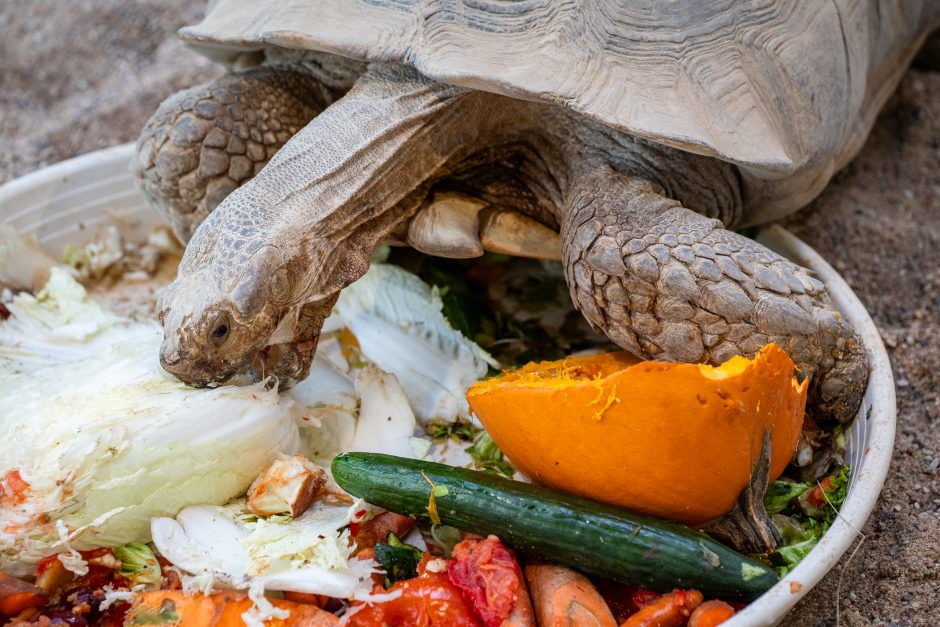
73,201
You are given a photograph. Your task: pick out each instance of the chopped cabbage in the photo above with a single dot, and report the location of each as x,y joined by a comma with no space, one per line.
93,261
105,439
61,325
306,554
398,322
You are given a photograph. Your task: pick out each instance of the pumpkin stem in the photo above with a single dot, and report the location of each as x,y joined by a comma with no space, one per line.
748,526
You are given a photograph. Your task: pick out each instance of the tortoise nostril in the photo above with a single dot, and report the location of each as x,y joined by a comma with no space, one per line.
170,357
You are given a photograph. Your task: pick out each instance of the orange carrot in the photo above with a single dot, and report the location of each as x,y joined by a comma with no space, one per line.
710,613
15,603
377,529
17,595
217,610
562,596
670,610
521,614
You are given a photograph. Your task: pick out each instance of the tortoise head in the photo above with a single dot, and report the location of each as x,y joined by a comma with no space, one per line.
263,270
232,308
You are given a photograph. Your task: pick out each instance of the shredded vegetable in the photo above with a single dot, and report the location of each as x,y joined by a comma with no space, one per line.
104,438
308,554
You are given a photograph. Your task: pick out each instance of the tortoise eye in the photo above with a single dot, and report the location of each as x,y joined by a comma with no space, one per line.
220,331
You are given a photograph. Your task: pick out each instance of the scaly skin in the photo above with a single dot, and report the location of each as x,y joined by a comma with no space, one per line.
662,280
202,143
277,253
666,282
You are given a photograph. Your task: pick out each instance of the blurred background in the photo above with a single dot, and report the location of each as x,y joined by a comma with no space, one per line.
82,75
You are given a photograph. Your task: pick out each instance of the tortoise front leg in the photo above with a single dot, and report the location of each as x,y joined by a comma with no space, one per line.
203,143
667,283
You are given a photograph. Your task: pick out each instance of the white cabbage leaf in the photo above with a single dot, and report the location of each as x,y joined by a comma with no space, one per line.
61,325
104,438
386,422
310,553
398,322
328,408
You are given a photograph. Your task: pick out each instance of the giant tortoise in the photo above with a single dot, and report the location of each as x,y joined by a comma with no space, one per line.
627,139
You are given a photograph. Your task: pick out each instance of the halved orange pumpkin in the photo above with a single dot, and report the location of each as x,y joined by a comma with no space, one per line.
677,441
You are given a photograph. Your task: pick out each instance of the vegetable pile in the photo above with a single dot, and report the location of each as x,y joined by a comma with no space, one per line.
104,439
602,540
132,499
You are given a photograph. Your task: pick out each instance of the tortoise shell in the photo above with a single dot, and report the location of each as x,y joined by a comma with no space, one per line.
786,89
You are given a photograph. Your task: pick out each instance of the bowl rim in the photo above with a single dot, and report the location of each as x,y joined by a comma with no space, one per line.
879,411
62,172
867,478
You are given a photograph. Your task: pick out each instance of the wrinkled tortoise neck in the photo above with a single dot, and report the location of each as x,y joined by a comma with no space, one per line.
363,167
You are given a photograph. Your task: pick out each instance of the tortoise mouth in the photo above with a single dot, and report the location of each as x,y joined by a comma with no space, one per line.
265,359
197,375
274,360
199,370
287,362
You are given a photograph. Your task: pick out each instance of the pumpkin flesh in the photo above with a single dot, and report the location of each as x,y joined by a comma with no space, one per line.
676,441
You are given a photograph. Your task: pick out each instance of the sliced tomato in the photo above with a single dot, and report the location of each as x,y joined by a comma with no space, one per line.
428,600
488,575
376,530
817,496
52,576
642,597
115,616
101,570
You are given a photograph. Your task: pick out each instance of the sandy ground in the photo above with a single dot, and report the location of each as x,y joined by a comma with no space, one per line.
79,76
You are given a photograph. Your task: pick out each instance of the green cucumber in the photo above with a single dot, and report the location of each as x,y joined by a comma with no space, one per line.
398,560
589,536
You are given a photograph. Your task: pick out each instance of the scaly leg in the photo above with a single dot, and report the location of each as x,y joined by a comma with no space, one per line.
667,283
206,141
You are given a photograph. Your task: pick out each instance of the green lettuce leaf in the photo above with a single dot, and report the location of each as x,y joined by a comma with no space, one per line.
487,456
139,565
822,501
781,493
814,508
